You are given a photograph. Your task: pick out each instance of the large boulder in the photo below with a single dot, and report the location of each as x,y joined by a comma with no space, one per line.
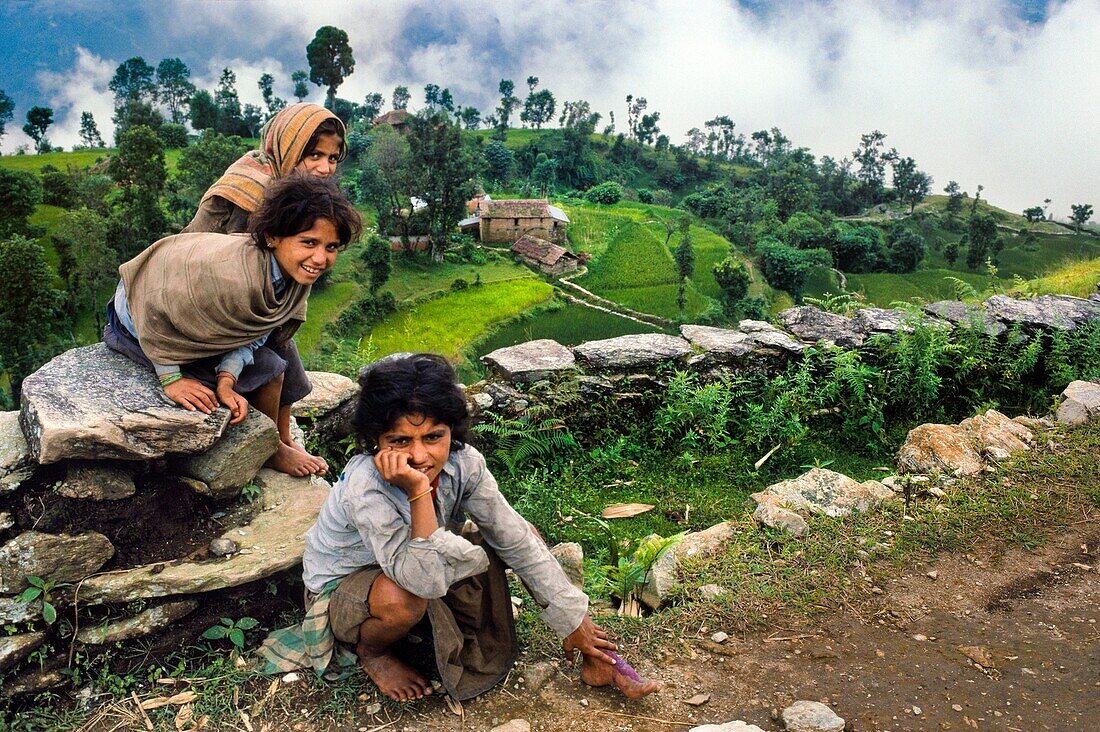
939,448
94,403
769,339
996,435
530,361
820,491
272,542
962,315
16,464
813,325
632,352
722,344
663,575
1080,403
53,557
880,321
330,406
1061,312
235,459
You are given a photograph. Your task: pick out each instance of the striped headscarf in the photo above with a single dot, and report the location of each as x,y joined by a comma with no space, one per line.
284,139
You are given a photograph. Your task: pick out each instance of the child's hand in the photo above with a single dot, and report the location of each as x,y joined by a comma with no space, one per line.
394,468
191,394
234,402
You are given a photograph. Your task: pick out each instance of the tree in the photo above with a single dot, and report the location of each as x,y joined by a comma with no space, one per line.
29,309
470,117
685,262
301,89
330,60
441,171
983,241
174,87
508,103
538,108
199,166
89,132
228,103
500,162
1034,214
787,268
1082,212
383,181
907,249
578,116
90,263
955,198
267,91
20,193
910,184
204,113
872,166
7,111
134,113
642,127
38,121
951,251
372,106
377,258
401,97
733,280
138,167
133,81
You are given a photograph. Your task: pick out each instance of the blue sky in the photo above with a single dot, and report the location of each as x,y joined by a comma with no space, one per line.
985,91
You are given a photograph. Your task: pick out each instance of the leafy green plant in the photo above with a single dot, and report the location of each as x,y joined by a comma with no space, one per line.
234,631
844,303
631,570
695,413
251,492
527,439
41,589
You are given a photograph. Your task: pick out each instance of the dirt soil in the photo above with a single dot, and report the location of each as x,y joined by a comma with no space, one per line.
1029,621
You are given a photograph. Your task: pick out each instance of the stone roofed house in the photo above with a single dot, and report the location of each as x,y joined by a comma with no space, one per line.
507,221
395,118
545,256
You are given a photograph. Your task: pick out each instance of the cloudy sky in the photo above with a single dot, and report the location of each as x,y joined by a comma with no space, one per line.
1002,93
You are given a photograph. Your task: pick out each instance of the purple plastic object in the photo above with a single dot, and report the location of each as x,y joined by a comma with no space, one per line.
623,667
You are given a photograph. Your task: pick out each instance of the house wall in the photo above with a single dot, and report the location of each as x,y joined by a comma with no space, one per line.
501,230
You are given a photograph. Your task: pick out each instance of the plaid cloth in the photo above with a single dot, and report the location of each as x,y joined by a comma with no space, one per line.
308,645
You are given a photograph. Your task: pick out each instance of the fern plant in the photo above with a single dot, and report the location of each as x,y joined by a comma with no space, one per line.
526,439
629,571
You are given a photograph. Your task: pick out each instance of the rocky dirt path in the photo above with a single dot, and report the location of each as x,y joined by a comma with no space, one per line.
1028,624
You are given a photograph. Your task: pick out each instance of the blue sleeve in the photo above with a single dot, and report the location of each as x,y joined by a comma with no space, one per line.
235,361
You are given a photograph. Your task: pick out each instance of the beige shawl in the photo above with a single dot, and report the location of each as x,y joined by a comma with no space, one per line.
198,295
284,140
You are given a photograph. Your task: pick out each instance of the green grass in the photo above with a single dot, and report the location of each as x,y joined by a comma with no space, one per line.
448,324
569,325
1076,278
416,277
882,288
78,160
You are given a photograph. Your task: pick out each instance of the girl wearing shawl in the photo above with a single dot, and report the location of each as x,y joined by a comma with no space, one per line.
213,315
303,137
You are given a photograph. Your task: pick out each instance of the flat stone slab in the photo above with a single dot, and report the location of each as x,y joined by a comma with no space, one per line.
1060,312
530,361
330,392
13,611
93,403
232,462
939,448
96,481
272,542
820,491
722,343
1080,403
881,320
16,648
16,464
56,557
768,337
962,315
142,624
815,325
630,352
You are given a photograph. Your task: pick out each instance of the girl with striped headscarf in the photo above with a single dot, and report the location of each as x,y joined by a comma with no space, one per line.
303,137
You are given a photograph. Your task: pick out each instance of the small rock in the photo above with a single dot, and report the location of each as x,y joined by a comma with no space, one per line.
224,547
933,574
920,637
372,709
734,726
537,675
516,602
57,557
711,592
937,492
698,700
292,678
719,637
916,710
513,725
584,702
957,707
6,521
811,716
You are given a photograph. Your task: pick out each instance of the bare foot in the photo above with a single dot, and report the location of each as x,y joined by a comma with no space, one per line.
600,673
292,462
395,679
320,466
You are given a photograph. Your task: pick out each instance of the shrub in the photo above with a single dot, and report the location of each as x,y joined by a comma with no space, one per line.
173,135
606,193
645,195
58,187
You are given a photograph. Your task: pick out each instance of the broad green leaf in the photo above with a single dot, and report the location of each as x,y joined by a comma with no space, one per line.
237,636
247,623
49,612
216,632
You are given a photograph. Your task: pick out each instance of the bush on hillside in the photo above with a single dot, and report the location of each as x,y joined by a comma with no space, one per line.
173,135
606,193
58,187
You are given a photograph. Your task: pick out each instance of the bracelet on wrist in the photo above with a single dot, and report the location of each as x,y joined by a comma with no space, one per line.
172,378
229,376
420,495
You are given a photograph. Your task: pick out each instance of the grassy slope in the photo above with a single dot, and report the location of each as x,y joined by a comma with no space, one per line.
1075,278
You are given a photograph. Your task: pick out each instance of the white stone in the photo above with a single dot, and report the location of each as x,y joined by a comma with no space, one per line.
811,716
